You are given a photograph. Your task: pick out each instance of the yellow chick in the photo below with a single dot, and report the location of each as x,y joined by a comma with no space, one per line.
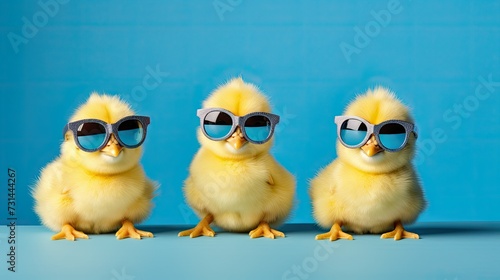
234,182
97,184
372,186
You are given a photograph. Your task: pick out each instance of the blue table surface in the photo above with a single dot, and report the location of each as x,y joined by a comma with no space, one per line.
467,250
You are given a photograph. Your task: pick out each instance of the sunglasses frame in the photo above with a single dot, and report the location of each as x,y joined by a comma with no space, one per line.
238,121
375,130
110,129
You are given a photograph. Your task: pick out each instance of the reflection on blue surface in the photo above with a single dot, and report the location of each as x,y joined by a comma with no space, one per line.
217,130
131,136
91,142
258,133
352,137
392,141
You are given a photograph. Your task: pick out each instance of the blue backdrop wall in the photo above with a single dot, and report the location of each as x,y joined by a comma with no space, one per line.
440,57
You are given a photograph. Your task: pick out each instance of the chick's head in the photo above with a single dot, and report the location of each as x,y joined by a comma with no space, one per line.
376,106
111,159
239,98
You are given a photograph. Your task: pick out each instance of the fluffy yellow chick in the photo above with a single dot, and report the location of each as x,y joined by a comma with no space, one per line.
369,189
233,183
95,192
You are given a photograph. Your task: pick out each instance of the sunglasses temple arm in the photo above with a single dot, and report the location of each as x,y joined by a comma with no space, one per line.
65,130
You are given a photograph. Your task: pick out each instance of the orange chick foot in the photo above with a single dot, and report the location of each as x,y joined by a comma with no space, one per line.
334,234
128,230
399,233
264,230
201,229
69,233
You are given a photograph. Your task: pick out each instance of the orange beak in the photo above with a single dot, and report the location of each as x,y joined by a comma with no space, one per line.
237,140
371,147
113,148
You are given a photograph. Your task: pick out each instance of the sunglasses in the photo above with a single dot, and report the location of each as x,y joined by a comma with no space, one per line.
219,124
92,134
391,135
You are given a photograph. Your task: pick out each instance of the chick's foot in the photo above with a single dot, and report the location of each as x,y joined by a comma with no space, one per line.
399,233
128,230
201,229
334,234
264,230
69,233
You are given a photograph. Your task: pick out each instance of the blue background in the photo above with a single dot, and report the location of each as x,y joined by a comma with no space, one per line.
434,55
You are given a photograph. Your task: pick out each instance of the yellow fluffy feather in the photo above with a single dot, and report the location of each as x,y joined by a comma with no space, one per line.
369,193
238,189
82,192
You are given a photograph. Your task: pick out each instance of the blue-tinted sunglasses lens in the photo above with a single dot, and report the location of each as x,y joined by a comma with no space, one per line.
217,125
91,135
392,136
353,132
258,128
131,132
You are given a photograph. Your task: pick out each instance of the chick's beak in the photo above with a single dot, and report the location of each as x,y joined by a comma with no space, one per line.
113,148
371,147
237,140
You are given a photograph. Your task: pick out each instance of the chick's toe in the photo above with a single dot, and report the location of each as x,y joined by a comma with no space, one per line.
399,233
334,234
201,229
264,230
69,233
128,230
